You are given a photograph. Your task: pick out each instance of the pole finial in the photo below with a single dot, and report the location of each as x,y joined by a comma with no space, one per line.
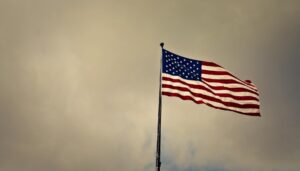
162,45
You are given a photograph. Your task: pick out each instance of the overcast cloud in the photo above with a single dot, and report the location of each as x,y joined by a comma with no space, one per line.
79,85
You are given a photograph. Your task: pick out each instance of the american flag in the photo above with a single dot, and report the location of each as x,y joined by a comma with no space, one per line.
208,83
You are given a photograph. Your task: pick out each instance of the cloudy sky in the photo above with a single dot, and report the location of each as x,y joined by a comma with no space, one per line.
79,85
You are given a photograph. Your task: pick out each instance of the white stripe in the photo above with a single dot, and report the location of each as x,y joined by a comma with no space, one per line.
238,94
212,68
225,77
235,85
232,85
228,77
207,93
215,104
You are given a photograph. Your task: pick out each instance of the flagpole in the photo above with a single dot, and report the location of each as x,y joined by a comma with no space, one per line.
158,162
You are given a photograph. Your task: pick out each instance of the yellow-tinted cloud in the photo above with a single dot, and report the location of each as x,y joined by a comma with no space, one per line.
79,84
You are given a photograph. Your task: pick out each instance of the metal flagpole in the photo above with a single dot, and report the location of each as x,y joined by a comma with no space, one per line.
158,162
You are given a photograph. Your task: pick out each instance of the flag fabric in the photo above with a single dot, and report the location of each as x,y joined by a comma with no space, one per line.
207,83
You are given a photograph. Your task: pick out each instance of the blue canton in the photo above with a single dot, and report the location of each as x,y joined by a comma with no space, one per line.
185,68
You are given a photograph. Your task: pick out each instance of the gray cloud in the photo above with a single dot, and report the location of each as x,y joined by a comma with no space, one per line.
79,84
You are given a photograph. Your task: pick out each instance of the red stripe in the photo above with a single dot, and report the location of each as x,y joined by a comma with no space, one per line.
210,98
216,88
215,72
200,102
210,64
229,74
235,89
224,81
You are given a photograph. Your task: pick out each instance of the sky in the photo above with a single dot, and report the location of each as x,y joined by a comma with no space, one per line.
79,85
